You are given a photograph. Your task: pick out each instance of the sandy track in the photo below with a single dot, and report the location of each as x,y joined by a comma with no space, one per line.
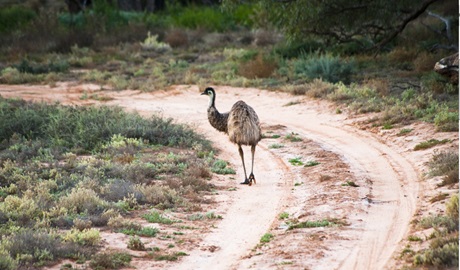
391,195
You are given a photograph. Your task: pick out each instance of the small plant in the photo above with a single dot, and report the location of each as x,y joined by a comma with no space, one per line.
291,103
293,137
439,197
387,126
311,163
110,260
327,67
430,143
170,257
275,146
87,237
135,243
350,184
220,167
266,238
260,67
404,131
145,231
284,215
296,161
151,44
197,216
212,215
318,223
445,163
156,217
414,238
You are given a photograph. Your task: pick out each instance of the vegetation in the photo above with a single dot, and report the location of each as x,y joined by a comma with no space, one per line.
312,224
266,238
445,164
430,143
67,171
443,242
54,196
296,161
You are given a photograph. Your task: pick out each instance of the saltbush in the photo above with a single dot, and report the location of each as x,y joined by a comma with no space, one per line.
325,66
14,17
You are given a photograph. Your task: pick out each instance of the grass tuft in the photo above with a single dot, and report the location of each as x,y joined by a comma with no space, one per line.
430,143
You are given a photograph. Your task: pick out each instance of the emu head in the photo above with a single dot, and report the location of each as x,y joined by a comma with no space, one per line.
209,91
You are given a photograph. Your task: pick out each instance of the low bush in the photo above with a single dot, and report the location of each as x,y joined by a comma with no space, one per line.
325,66
14,17
114,260
259,67
46,183
220,167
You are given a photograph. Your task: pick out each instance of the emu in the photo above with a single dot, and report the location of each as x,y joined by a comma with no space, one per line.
241,124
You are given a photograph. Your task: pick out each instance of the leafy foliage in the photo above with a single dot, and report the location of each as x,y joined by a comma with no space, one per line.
15,17
326,67
45,185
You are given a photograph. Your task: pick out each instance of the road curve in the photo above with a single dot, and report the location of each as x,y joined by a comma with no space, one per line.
394,178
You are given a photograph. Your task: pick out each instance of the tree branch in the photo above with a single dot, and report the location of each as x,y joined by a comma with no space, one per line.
414,15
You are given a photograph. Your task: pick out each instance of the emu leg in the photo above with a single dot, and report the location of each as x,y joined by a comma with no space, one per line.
246,181
251,176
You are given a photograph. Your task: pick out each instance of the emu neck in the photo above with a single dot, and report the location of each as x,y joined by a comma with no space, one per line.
216,119
212,100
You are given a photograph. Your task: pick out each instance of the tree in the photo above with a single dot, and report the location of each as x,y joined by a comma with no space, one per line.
371,23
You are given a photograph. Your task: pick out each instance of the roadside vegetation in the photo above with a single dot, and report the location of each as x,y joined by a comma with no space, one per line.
437,246
65,171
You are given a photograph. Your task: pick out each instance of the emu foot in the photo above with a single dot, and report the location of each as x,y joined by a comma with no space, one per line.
252,178
246,182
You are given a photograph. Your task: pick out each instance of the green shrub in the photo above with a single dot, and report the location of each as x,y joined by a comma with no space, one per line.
88,128
452,209
81,200
135,243
446,120
326,67
26,66
156,217
13,76
296,161
443,162
203,17
112,260
86,237
436,83
145,231
296,49
430,143
444,256
312,224
29,245
220,167
211,18
6,262
14,17
266,238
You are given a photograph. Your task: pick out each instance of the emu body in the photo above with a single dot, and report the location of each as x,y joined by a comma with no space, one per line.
241,124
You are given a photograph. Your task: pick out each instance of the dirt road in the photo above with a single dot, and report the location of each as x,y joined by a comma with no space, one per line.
377,212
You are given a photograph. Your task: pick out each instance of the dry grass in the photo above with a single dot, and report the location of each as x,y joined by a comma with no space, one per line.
425,61
400,55
177,38
260,67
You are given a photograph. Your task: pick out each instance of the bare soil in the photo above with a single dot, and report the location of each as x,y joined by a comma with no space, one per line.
369,182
